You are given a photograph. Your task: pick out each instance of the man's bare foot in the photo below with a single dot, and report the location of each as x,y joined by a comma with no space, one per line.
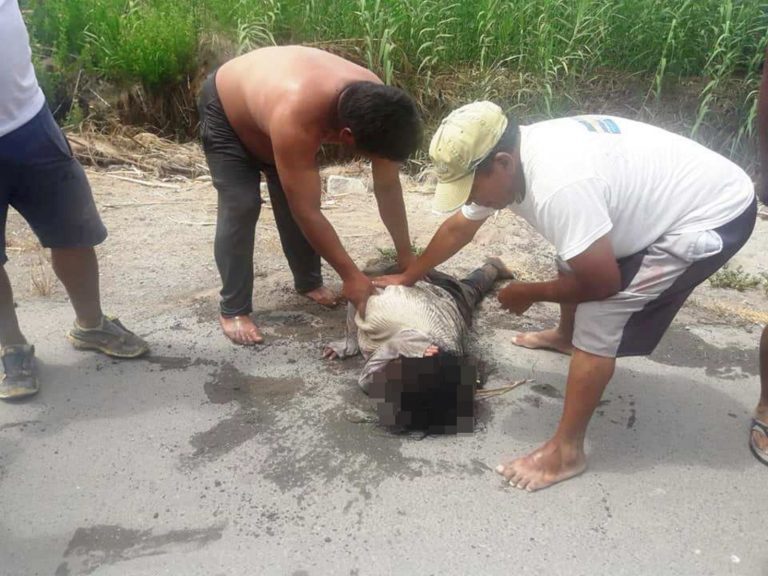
551,339
323,296
241,330
548,465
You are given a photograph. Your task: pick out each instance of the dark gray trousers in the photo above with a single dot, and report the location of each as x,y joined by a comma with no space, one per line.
236,176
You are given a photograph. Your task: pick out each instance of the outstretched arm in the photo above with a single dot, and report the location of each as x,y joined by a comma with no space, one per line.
455,233
299,175
389,197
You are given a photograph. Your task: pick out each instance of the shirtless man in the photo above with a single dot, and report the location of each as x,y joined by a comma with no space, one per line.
268,112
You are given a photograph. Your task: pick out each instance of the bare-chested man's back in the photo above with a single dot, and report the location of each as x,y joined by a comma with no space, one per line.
309,83
268,112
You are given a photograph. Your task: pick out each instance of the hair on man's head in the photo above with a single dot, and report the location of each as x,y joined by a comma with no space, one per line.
509,141
384,120
434,394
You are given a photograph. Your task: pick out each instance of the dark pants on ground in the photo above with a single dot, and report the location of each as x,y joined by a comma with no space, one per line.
236,176
468,292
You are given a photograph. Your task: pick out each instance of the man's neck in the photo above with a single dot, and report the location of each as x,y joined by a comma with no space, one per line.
520,184
336,113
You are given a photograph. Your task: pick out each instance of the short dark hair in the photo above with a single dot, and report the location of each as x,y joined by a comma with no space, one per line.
434,394
383,119
509,141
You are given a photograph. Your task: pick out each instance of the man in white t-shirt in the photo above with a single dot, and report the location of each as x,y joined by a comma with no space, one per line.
638,216
42,181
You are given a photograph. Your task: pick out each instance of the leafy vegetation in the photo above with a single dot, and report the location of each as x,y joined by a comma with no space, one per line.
520,51
736,279
390,255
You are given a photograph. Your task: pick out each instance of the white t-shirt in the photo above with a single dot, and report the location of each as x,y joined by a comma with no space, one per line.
588,176
20,96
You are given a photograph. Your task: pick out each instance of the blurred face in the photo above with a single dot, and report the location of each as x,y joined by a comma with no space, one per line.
498,186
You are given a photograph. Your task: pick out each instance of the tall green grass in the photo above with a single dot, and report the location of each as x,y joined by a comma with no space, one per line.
410,42
123,40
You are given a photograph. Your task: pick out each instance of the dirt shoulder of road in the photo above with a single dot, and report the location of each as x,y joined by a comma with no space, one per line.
159,253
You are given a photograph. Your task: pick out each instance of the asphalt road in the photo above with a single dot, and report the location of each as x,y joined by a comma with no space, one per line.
211,460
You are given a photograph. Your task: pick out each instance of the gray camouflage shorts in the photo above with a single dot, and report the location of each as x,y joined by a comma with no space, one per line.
656,282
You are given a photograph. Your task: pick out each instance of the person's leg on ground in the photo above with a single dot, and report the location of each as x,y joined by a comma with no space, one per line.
54,196
302,258
236,176
19,377
563,457
468,293
10,333
18,358
238,211
78,270
481,281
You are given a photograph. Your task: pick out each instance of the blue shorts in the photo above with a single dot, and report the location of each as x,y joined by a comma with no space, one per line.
43,181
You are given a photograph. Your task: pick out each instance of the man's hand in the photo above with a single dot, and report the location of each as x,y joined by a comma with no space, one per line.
357,291
392,280
329,353
389,198
514,299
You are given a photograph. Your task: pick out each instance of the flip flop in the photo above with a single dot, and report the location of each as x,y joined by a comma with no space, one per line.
758,426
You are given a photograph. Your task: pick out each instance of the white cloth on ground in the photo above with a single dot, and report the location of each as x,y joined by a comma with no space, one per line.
402,321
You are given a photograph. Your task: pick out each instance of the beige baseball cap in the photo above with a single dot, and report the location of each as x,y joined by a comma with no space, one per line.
463,140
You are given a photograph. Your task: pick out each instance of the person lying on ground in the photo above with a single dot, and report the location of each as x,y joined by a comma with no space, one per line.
758,434
430,319
268,112
48,187
638,216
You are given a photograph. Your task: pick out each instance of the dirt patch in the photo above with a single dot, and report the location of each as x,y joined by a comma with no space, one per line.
177,362
96,546
680,347
256,399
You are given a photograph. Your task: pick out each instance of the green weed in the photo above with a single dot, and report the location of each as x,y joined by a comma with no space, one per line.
736,279
390,254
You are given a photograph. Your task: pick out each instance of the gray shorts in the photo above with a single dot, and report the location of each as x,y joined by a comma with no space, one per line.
655,284
41,179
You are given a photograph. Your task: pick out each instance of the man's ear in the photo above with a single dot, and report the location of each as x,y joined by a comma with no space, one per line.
506,161
346,137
